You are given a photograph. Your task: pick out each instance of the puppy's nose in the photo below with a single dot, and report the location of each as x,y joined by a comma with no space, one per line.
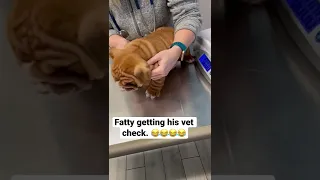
130,84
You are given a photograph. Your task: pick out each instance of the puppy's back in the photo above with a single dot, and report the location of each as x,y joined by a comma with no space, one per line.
162,37
152,44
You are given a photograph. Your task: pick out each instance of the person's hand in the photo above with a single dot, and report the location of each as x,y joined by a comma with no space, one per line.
118,42
167,60
122,43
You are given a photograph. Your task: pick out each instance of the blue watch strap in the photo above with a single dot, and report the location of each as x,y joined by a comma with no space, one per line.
181,46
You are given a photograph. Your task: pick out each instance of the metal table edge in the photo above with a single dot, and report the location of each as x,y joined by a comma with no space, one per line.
136,146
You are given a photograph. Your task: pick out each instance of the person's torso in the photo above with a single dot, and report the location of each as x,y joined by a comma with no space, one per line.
137,17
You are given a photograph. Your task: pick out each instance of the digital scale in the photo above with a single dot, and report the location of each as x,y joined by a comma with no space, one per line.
306,16
201,50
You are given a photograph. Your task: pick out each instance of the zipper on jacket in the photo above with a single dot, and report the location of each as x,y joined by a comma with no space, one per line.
134,19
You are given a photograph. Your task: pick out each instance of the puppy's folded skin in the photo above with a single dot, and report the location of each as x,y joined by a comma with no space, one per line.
130,66
63,42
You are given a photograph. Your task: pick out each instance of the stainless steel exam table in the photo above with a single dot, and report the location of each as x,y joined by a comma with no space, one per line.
186,93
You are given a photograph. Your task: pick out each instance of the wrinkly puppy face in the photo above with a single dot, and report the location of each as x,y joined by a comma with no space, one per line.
129,70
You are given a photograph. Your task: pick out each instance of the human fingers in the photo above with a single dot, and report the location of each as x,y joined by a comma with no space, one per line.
156,78
157,73
154,59
122,45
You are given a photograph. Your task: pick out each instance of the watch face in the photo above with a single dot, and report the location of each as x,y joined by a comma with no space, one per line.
307,13
205,62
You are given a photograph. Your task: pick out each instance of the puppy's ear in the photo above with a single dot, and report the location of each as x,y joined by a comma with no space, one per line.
113,52
143,74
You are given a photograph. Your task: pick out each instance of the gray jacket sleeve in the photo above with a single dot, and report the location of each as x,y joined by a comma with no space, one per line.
185,14
111,30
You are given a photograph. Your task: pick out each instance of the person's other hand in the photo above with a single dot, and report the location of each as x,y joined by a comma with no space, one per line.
122,43
118,42
167,60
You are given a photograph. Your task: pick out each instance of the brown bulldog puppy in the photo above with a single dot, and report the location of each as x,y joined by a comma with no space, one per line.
130,68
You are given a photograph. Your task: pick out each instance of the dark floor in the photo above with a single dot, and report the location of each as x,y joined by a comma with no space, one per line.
189,161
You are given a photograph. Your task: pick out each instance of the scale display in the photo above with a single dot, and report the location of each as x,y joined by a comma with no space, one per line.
307,12
205,62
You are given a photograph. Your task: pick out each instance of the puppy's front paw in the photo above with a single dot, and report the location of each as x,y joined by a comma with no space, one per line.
189,59
122,88
152,94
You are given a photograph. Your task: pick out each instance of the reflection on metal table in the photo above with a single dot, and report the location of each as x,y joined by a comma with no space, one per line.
186,93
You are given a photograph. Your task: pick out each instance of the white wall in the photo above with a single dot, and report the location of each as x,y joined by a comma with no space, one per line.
205,9
217,11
